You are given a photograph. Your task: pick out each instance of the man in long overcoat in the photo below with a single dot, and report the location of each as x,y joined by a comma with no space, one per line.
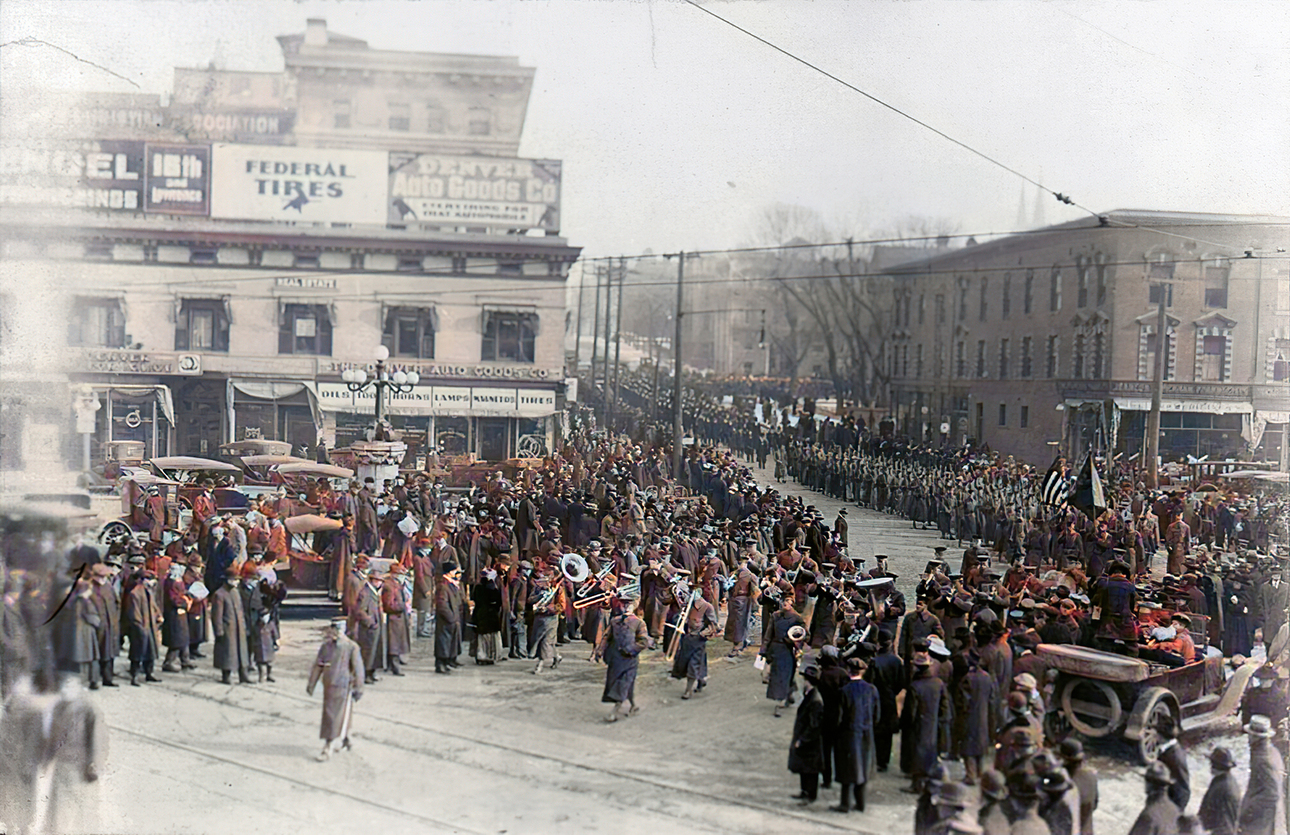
398,629
339,665
1220,808
1263,810
887,673
924,723
691,661
781,652
108,633
174,620
449,615
422,591
142,618
975,719
806,750
620,646
229,622
854,752
365,623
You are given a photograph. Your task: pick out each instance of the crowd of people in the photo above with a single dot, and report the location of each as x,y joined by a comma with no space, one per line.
604,544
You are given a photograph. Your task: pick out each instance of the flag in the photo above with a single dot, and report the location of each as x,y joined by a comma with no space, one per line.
1088,496
1053,492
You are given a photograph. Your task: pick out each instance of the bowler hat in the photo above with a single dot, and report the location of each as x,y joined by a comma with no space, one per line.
1072,750
951,793
1158,774
993,785
1221,758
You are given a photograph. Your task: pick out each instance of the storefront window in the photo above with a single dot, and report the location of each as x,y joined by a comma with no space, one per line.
532,438
452,435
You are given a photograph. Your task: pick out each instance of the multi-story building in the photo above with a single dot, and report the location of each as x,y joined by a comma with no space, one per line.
1046,340
215,264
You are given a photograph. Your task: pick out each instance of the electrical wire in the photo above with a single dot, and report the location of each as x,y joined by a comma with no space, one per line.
1061,198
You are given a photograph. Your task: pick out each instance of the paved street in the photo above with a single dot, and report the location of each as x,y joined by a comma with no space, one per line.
496,749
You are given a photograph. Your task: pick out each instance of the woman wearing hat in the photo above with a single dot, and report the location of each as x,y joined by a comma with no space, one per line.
1263,810
1220,808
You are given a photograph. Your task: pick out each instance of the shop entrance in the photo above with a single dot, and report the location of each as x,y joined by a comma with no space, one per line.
494,438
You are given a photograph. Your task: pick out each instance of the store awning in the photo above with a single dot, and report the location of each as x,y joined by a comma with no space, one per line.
165,400
431,312
1210,407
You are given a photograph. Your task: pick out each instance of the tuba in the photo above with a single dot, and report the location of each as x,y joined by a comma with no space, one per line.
574,568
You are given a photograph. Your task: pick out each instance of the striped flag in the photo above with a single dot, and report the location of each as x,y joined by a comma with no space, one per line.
1054,490
1088,496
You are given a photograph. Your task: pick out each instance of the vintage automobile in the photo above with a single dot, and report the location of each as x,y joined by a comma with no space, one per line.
255,446
258,469
1101,694
190,471
134,512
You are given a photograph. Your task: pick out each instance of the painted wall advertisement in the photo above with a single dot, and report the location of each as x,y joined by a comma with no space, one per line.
443,400
178,179
475,191
319,185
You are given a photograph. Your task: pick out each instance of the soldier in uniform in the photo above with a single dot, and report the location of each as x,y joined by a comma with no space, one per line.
691,661
620,647
339,665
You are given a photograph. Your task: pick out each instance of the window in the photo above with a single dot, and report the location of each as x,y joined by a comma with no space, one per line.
399,116
509,336
980,358
1077,357
1005,306
1099,356
436,118
1055,290
1024,417
1050,361
1147,361
1213,356
1101,280
341,113
304,329
904,359
1026,348
960,360
922,307
963,293
202,325
985,287
1216,273
918,360
1153,294
409,332
97,323
1280,371
480,121
1003,359
1081,273
1028,297
940,308
1003,414
907,299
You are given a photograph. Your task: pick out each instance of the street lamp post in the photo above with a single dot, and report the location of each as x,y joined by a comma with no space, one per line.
400,382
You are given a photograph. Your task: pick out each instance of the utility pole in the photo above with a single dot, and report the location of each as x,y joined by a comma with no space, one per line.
1157,389
577,342
618,336
678,433
595,332
609,293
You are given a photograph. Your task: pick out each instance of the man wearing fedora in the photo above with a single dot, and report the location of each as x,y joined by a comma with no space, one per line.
1085,779
1220,808
1263,810
1175,759
1160,815
339,665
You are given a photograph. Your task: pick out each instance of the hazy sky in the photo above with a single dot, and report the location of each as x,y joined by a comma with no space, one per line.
676,130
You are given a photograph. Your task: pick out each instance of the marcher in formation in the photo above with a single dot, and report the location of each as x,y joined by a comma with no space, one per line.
602,542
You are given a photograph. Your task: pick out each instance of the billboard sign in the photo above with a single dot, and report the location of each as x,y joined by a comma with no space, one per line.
112,177
319,185
177,179
475,191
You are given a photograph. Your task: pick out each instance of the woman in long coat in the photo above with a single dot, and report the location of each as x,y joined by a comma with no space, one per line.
398,626
782,654
806,752
620,646
486,600
854,752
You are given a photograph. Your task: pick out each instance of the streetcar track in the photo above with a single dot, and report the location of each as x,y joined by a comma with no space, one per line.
295,781
568,763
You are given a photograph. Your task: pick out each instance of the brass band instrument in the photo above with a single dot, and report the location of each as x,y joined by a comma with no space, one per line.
574,568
